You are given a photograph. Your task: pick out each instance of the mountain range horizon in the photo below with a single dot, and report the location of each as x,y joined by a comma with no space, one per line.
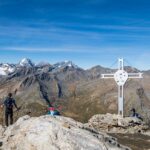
29,63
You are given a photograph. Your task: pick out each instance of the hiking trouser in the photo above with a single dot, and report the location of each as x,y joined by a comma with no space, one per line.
8,116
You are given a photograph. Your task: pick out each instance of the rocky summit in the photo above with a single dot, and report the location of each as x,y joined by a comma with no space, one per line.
129,131
112,123
54,133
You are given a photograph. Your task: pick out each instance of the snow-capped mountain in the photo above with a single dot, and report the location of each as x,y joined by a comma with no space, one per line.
6,69
42,63
25,62
65,64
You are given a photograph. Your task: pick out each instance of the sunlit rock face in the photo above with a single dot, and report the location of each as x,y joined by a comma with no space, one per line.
55,133
113,123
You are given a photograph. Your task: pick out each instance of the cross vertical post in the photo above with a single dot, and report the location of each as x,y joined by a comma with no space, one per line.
121,77
120,89
120,100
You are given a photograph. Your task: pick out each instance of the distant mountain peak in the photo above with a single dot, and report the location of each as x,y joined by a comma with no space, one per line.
26,62
42,63
65,63
6,69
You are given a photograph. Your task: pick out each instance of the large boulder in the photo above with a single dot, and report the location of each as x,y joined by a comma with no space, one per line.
55,133
113,123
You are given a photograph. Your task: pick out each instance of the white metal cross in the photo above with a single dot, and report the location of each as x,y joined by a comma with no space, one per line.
121,77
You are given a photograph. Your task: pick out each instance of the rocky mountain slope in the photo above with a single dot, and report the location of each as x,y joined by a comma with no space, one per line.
55,133
79,93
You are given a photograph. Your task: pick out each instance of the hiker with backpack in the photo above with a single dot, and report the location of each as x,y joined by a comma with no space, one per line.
8,104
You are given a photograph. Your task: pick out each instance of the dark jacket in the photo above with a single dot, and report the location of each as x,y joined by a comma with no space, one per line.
9,103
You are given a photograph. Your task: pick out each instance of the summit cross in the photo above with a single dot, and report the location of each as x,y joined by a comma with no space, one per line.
121,76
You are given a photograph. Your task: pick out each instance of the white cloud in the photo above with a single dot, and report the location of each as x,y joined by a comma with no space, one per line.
50,49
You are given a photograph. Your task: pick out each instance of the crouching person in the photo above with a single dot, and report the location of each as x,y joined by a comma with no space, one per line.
52,111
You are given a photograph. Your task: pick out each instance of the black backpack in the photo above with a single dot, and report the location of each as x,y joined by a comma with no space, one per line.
9,103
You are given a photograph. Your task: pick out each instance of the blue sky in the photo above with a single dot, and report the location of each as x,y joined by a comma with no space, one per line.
88,32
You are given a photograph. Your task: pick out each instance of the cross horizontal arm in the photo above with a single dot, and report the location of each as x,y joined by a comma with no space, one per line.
107,76
135,75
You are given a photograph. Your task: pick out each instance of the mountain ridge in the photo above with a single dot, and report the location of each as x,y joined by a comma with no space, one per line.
6,68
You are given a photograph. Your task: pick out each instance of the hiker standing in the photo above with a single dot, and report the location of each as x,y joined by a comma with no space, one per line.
8,104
